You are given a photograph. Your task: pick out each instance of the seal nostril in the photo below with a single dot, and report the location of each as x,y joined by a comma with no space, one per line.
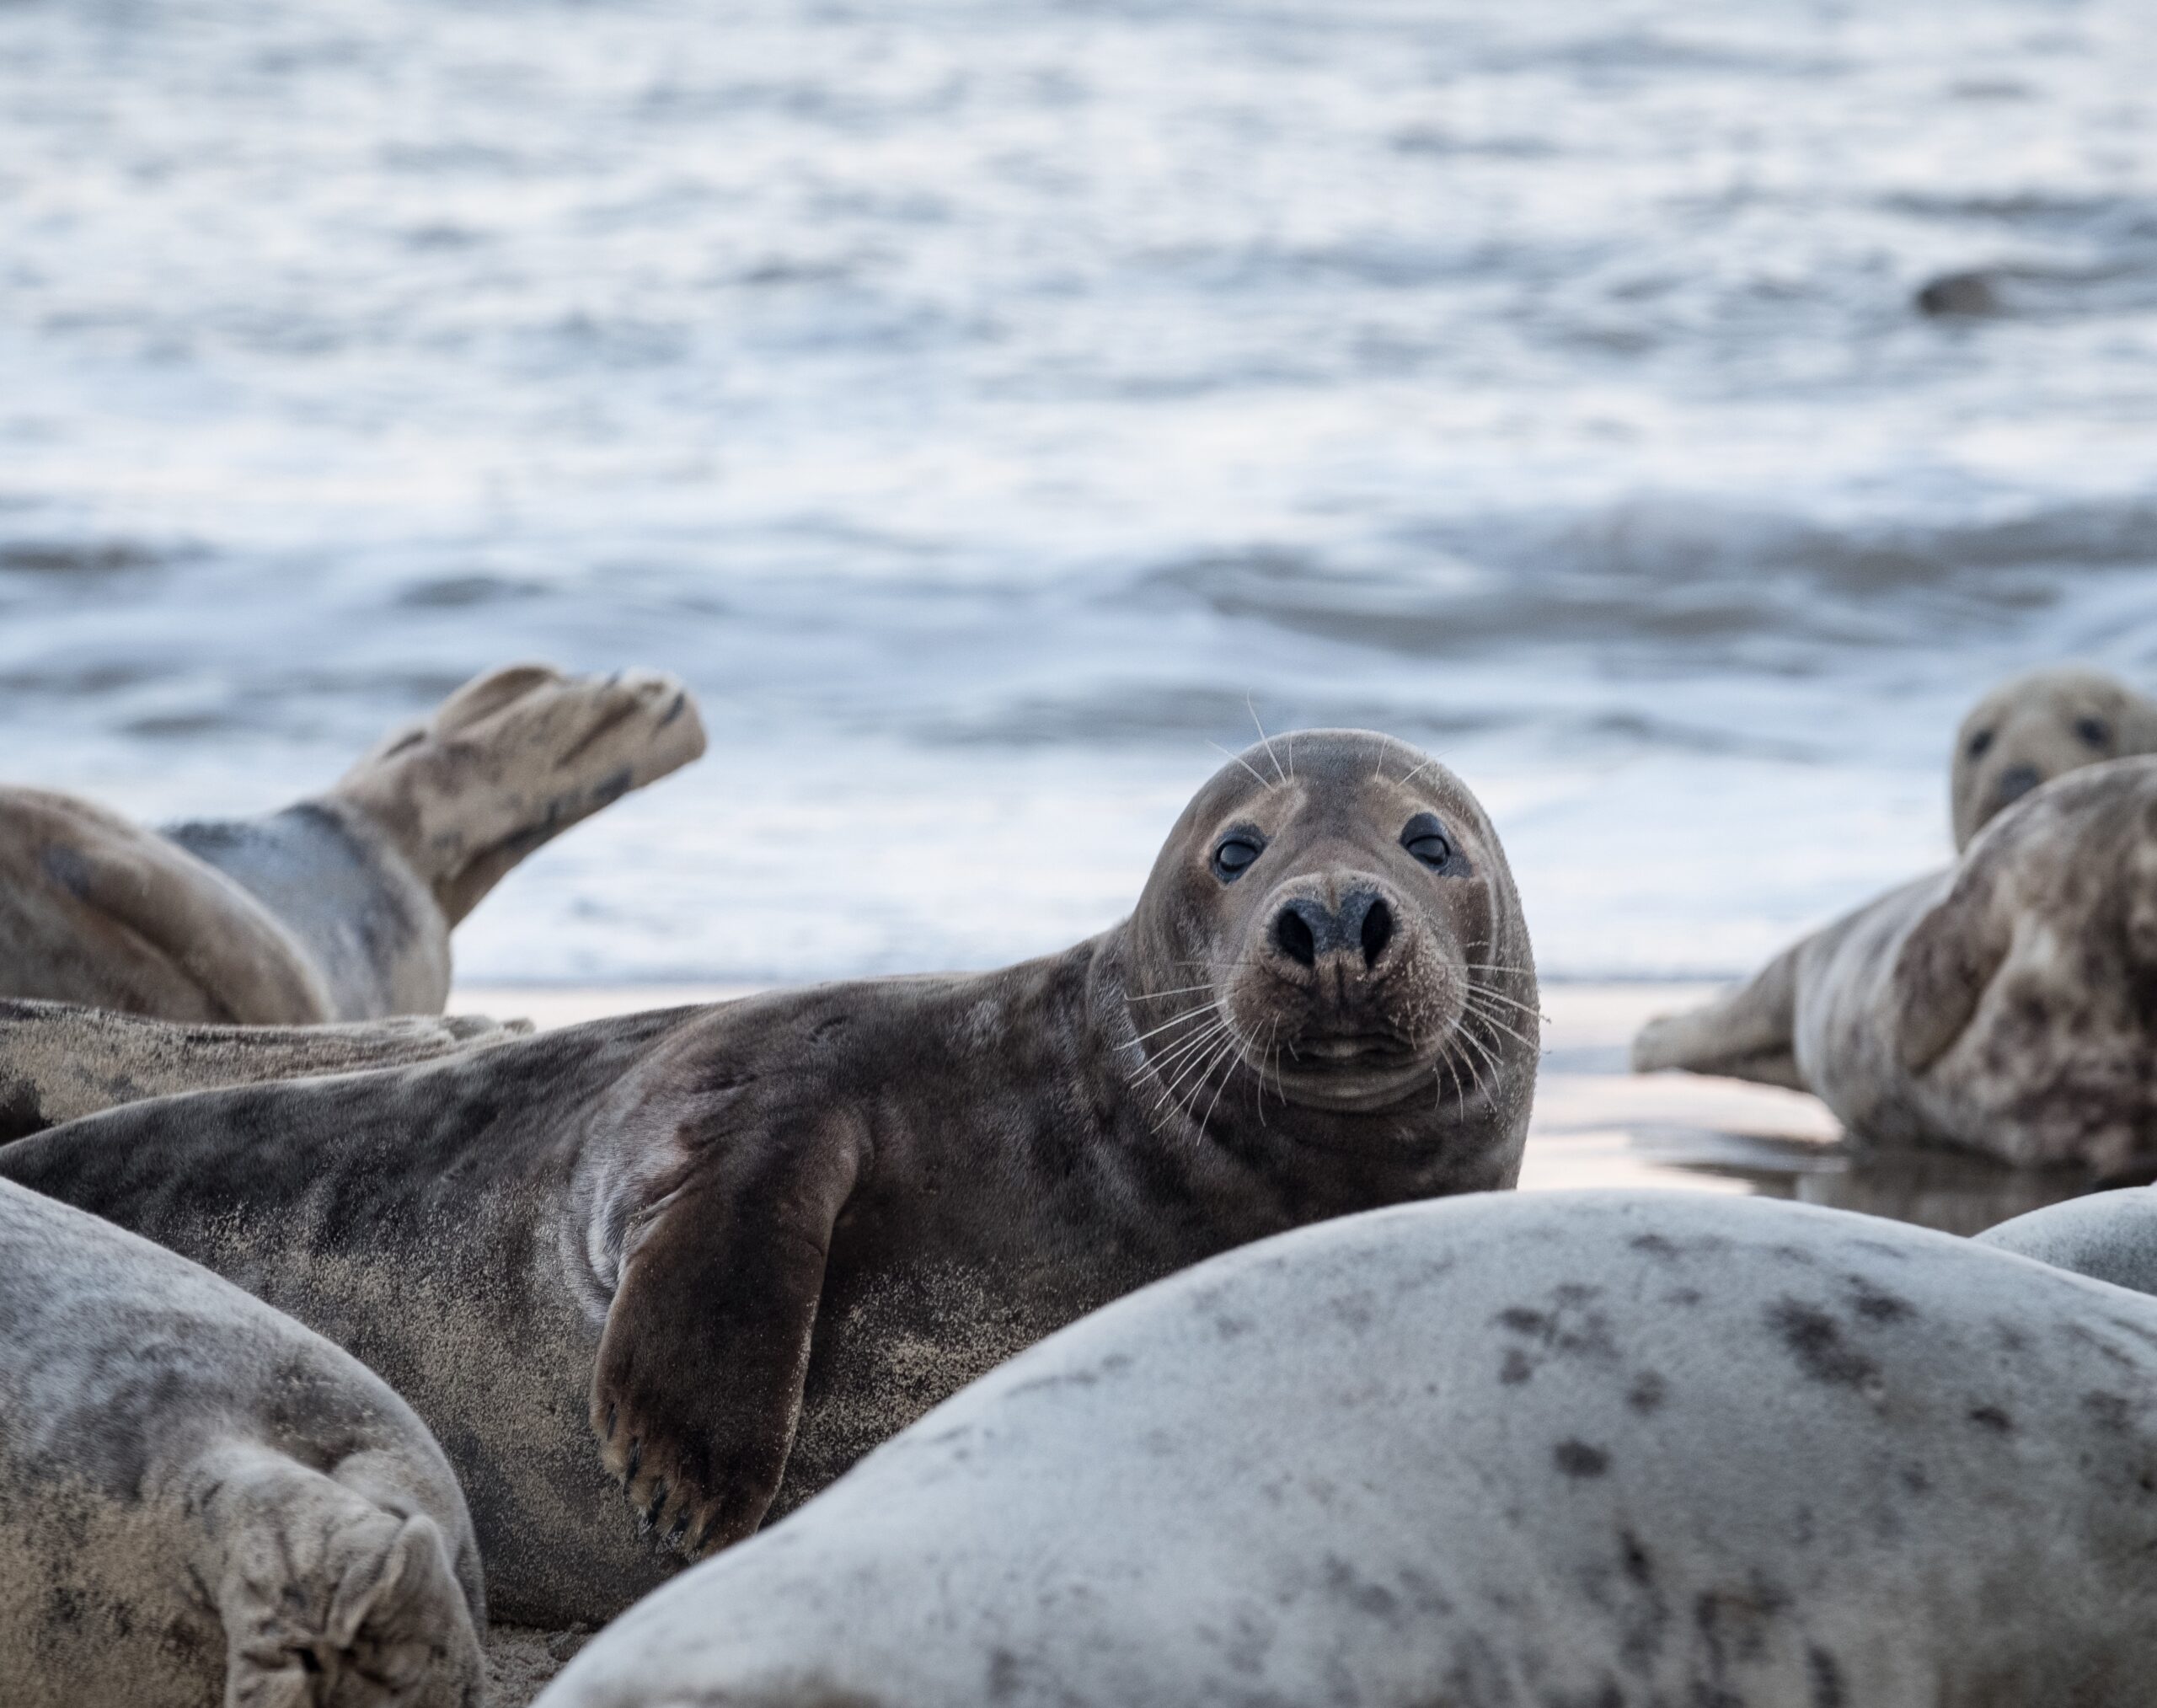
1376,933
2017,781
1291,933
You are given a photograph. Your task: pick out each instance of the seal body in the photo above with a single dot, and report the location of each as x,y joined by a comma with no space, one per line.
719,1252
201,1502
2008,1005
2038,727
59,1061
340,907
1609,1449
2110,1235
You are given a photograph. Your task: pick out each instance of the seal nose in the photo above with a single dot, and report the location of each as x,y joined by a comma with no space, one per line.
1305,929
2015,782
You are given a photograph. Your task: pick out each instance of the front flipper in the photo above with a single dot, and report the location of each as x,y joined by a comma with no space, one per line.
1749,1034
1949,958
697,1386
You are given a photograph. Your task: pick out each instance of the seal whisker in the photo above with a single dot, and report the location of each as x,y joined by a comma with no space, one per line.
1192,1051
1491,1019
1265,740
1243,762
1227,1049
1232,1046
1485,990
1174,1020
1171,1052
1156,995
1467,1037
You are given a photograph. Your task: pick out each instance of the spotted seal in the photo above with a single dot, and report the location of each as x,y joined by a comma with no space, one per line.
2038,727
2007,1006
340,907
1564,1449
202,1501
2111,1235
741,1244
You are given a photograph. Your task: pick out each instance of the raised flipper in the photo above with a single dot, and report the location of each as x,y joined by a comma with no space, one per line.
58,1060
697,1386
93,909
1747,1033
512,759
330,1599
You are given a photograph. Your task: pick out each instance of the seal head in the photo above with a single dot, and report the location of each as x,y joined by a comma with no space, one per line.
2036,727
1333,921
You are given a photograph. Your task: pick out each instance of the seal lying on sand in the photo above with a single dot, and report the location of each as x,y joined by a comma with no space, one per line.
338,908
59,1062
2111,1235
1581,1448
744,1244
2039,726
2008,1005
200,1502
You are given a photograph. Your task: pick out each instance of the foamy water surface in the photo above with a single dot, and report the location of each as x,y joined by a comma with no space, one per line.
978,402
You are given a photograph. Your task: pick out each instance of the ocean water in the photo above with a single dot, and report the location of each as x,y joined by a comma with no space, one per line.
989,406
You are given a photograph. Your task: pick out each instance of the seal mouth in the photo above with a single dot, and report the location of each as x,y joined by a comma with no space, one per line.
1355,1049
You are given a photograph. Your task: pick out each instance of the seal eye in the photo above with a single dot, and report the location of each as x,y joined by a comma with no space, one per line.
1980,744
1427,839
2096,732
1235,852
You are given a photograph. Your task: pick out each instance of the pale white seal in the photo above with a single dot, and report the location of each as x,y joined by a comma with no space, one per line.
2111,1235
202,1501
340,907
2038,727
1580,1449
2007,1006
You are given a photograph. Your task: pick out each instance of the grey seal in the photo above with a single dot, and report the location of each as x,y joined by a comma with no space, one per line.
719,1252
2006,1006
2110,1235
203,1502
2038,727
1601,1449
59,1061
339,907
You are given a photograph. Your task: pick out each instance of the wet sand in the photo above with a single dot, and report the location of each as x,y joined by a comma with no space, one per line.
1595,1125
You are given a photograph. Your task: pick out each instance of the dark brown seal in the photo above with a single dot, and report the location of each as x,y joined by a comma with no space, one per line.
743,1245
339,907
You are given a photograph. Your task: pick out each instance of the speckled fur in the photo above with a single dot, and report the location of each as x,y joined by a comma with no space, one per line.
2008,1005
2041,726
203,1503
340,907
741,1244
1574,1450
59,1061
2110,1235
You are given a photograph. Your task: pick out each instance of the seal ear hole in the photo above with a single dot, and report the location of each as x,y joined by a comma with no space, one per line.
2094,732
1980,744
